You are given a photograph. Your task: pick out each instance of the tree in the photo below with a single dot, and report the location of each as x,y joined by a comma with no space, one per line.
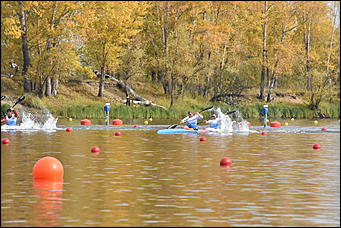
109,26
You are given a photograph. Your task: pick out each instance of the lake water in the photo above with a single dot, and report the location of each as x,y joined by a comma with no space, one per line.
142,178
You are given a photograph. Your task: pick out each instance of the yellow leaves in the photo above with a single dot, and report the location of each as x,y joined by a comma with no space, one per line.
11,27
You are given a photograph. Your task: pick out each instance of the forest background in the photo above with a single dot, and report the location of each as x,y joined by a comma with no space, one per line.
169,57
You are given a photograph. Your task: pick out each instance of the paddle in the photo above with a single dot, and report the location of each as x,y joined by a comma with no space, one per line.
3,97
228,113
20,99
203,110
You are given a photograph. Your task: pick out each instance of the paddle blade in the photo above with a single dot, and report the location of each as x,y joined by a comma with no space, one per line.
228,113
206,109
172,126
3,97
20,99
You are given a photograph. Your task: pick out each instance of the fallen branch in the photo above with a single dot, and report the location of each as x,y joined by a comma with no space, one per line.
133,98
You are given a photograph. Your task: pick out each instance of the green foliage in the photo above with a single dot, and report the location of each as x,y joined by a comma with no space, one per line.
33,101
4,108
117,111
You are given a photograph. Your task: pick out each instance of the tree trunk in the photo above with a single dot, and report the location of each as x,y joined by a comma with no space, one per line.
101,86
264,60
153,76
42,88
271,86
48,87
172,91
101,83
25,49
33,86
207,87
54,86
307,49
27,85
165,26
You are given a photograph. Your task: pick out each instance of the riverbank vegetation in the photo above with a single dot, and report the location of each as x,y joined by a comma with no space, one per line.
72,57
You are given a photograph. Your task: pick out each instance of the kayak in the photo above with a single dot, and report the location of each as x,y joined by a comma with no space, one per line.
182,130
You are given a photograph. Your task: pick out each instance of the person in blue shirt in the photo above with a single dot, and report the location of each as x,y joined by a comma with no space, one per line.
214,122
10,119
191,120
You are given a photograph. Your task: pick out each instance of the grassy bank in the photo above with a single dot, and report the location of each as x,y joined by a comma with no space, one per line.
82,107
250,111
81,101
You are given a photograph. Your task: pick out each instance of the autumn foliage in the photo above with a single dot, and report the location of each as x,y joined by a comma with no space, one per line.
201,48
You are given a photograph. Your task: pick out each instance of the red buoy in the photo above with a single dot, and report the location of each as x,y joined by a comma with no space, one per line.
117,122
48,167
324,129
5,141
225,161
135,126
95,149
85,122
316,146
275,124
69,129
264,133
117,133
202,138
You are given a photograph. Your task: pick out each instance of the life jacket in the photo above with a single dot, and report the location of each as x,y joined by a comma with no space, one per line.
12,121
214,123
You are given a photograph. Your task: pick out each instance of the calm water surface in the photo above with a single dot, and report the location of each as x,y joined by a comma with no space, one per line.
142,178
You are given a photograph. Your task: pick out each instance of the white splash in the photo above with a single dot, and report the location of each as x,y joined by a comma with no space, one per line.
227,125
28,121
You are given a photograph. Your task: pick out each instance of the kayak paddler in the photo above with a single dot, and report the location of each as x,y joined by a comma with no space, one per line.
10,119
213,122
191,120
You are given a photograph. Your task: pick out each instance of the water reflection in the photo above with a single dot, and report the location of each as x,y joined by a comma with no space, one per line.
146,179
47,211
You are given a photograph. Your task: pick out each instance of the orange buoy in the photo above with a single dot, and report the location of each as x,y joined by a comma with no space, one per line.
202,138
264,133
5,141
275,124
117,133
85,122
225,161
95,149
135,126
117,122
48,167
69,129
316,146
324,129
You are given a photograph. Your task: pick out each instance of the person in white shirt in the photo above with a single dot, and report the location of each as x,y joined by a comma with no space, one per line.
191,120
214,121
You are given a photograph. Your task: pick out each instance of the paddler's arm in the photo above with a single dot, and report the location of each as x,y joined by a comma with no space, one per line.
15,113
184,120
199,116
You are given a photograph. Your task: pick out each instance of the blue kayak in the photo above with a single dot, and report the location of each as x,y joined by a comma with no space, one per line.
181,131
